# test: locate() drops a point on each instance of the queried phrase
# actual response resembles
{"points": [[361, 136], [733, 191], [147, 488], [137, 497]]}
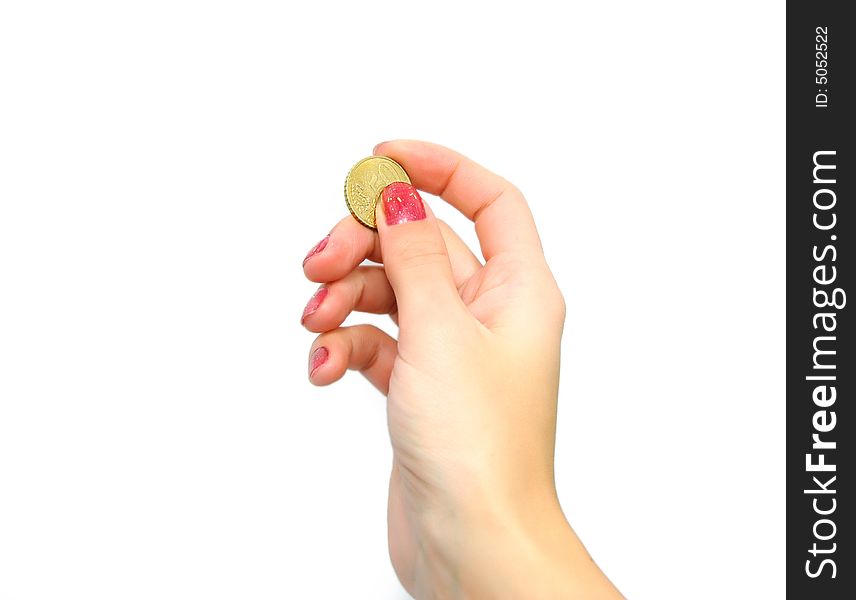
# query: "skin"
{"points": [[471, 385]]}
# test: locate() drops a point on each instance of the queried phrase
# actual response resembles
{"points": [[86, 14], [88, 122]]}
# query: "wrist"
{"points": [[496, 549]]}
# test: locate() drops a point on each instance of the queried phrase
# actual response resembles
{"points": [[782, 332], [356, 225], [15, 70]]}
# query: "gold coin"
{"points": [[365, 182]]}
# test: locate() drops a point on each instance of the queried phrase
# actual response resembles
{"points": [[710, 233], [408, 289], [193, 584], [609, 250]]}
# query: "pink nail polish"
{"points": [[402, 203], [314, 302], [318, 358], [317, 248]]}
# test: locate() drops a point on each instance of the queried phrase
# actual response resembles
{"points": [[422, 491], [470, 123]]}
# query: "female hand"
{"points": [[471, 382]]}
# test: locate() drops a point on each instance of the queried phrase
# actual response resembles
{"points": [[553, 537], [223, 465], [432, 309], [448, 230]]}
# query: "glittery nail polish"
{"points": [[318, 358], [402, 203], [314, 302], [317, 248]]}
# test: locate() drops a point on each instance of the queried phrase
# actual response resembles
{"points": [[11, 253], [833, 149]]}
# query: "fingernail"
{"points": [[318, 358], [317, 248], [374, 150], [402, 203], [314, 302]]}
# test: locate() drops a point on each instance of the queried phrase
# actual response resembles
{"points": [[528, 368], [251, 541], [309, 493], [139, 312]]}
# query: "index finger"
{"points": [[502, 218]]}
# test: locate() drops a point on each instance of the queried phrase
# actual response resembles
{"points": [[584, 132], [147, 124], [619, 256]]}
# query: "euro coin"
{"points": [[365, 182]]}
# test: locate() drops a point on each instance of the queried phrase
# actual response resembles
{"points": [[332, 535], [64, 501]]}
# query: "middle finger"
{"points": [[365, 289]]}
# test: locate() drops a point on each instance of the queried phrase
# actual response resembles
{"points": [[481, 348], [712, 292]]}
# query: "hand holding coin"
{"points": [[471, 383]]}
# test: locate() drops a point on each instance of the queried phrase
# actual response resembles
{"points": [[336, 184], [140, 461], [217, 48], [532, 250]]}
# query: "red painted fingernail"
{"points": [[314, 302], [402, 203], [317, 248], [318, 358]]}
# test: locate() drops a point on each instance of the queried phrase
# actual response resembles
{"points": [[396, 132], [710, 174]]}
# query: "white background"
{"points": [[165, 166]]}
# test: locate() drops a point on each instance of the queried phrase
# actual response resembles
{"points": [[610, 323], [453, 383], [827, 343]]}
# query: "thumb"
{"points": [[414, 255]]}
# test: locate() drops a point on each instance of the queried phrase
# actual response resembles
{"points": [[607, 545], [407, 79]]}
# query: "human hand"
{"points": [[471, 382]]}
